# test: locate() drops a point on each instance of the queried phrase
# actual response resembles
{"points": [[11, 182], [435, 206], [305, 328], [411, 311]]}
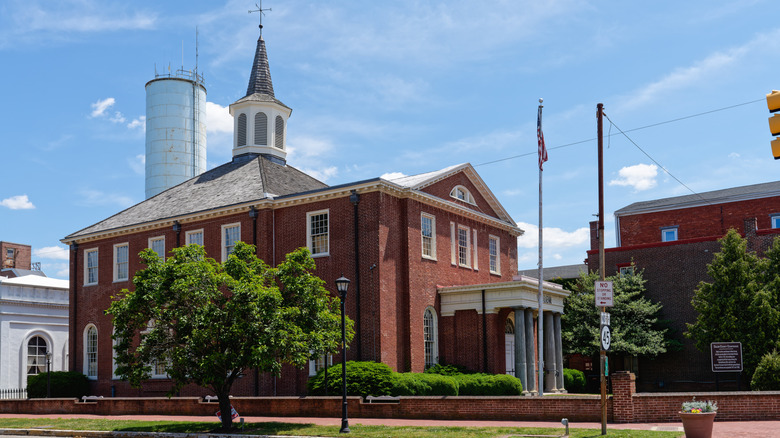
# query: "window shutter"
{"points": [[279, 136], [474, 245], [453, 245], [241, 129], [261, 129]]}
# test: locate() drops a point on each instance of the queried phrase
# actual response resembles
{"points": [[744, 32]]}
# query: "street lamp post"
{"points": [[48, 374], [342, 284]]}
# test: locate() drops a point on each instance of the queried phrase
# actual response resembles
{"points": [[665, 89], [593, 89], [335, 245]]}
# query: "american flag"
{"points": [[540, 135]]}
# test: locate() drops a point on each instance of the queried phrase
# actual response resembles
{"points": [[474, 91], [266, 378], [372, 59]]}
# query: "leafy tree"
{"points": [[741, 303], [208, 321], [636, 329]]}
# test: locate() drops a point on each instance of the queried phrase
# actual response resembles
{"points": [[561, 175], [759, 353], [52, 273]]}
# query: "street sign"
{"points": [[726, 357], [606, 337], [603, 292], [605, 318]]}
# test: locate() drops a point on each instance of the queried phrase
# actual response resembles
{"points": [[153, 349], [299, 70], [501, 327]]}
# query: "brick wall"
{"points": [[22, 257]]}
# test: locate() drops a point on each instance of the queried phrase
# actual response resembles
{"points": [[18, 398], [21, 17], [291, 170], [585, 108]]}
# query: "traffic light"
{"points": [[773, 102]]}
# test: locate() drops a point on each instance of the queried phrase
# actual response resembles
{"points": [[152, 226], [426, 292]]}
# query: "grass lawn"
{"points": [[357, 430]]}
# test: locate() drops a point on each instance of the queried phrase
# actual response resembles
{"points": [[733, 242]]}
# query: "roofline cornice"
{"points": [[309, 197], [699, 203]]}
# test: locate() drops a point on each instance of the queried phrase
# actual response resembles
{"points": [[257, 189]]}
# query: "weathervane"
{"points": [[262, 12]]}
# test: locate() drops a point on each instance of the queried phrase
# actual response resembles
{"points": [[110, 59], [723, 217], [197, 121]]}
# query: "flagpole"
{"points": [[540, 314]]}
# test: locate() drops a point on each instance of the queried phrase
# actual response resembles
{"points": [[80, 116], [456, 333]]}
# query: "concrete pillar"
{"points": [[520, 371], [530, 368], [549, 353], [558, 353]]}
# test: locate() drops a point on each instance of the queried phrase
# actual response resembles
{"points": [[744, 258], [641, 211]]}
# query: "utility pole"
{"points": [[602, 271]]}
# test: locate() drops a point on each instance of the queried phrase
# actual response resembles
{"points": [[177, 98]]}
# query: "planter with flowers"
{"points": [[697, 418]]}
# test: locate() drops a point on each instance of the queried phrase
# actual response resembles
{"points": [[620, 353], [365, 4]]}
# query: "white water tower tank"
{"points": [[175, 130]]}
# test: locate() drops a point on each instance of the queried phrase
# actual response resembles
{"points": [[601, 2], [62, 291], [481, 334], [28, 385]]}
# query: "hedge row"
{"points": [[371, 378]]}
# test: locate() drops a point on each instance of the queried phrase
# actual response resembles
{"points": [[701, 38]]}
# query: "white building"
{"points": [[33, 322]]}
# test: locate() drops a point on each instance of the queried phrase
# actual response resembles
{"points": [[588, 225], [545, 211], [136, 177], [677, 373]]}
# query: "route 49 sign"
{"points": [[606, 337]]}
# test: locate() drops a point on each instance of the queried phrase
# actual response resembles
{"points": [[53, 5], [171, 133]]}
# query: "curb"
{"points": [[128, 434]]}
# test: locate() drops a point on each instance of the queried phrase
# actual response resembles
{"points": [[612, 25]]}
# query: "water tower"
{"points": [[175, 130]]}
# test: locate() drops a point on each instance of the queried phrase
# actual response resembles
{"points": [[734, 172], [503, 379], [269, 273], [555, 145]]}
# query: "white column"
{"points": [[558, 352], [549, 353], [520, 359], [530, 368]]}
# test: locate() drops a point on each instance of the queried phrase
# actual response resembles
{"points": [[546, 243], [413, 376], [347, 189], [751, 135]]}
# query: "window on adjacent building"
{"points": [[428, 232], [320, 363], [241, 134], [317, 233], [158, 245], [775, 218], [261, 129], [626, 270], [121, 258], [91, 266], [668, 234], [194, 237], [494, 245], [230, 235], [461, 193], [90, 351], [464, 247], [36, 355], [279, 134], [430, 336]]}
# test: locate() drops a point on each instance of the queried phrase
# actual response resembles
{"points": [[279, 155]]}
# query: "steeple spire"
{"points": [[260, 77]]}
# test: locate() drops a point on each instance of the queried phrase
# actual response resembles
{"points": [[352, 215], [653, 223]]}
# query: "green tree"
{"points": [[741, 302], [634, 319], [209, 321]]}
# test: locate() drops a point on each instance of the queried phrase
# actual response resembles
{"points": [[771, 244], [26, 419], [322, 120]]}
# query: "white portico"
{"points": [[520, 295]]}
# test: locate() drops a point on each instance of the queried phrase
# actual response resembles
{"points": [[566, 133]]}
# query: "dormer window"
{"points": [[461, 193]]}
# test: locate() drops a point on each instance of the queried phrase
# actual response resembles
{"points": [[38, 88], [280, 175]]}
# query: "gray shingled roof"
{"points": [[247, 178], [754, 191]]}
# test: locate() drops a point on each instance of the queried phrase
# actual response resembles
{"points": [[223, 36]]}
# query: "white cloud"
{"points": [[392, 175], [734, 155], [322, 174], [218, 118], [118, 118], [19, 202], [138, 164], [554, 238], [640, 177], [52, 252], [100, 107], [92, 197], [139, 122]]}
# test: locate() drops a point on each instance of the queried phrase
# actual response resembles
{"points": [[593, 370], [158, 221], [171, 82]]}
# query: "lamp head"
{"points": [[342, 284]]}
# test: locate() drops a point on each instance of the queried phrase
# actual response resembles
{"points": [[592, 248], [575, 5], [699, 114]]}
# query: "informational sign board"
{"points": [[726, 357], [605, 318], [606, 337], [603, 291]]}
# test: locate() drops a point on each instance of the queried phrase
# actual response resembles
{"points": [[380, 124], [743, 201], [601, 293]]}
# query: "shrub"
{"points": [[363, 378], [767, 374], [64, 384], [574, 380], [489, 384], [448, 370], [423, 384]]}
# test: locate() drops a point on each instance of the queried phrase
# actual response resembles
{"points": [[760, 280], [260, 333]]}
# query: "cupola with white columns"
{"points": [[259, 119]]}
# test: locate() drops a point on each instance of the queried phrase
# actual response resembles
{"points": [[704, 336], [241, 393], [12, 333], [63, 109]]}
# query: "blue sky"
{"points": [[401, 86]]}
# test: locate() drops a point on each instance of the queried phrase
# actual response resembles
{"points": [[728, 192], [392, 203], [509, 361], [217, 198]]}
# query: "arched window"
{"points": [[36, 355], [261, 129], [430, 334], [279, 135], [90, 351], [241, 129], [462, 194], [509, 327]]}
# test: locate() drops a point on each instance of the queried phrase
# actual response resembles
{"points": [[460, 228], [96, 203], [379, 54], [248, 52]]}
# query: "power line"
{"points": [[623, 132]]}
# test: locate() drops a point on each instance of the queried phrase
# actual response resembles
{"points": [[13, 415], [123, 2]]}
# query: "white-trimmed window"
{"points": [[626, 270], [428, 233], [319, 363], [430, 336], [230, 235], [121, 261], [494, 247], [90, 352], [474, 247], [464, 247], [36, 355], [157, 244], [318, 232], [159, 370], [90, 266], [194, 237], [775, 220], [462, 194], [668, 234]]}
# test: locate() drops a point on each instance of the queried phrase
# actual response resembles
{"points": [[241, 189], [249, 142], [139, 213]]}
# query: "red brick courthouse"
{"points": [[432, 258]]}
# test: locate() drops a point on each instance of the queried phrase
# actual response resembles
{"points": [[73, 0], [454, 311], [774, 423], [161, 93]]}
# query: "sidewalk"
{"points": [[722, 429]]}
